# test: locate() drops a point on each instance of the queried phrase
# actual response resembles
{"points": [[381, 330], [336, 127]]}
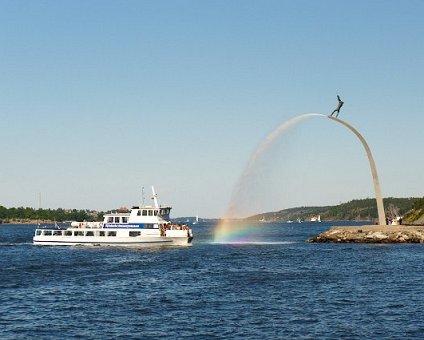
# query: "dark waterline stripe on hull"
{"points": [[73, 243]]}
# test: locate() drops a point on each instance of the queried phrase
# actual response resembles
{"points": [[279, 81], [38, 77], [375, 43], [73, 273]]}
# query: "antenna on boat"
{"points": [[39, 205], [142, 196], [155, 197]]}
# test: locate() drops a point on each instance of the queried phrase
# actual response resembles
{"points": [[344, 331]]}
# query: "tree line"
{"points": [[358, 209], [58, 215], [366, 209], [417, 212]]}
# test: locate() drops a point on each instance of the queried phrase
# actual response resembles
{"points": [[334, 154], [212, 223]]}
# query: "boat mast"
{"points": [[155, 197], [39, 207], [142, 197]]}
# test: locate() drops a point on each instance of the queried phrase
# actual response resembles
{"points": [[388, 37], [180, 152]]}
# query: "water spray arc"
{"points": [[260, 149], [224, 230]]}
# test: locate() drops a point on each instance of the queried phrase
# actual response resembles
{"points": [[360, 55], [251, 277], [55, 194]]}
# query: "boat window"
{"points": [[111, 233], [139, 213], [47, 232], [101, 233], [116, 219], [148, 226], [68, 233], [38, 232], [57, 233], [156, 212], [89, 233], [135, 233], [144, 212], [78, 233], [150, 212], [110, 220], [124, 219]]}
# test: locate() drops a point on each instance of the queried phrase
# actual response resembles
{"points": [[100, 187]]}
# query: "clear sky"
{"points": [[100, 98]]}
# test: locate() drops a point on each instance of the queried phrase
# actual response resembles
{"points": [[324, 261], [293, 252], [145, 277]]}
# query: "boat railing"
{"points": [[89, 226], [56, 227], [177, 227]]}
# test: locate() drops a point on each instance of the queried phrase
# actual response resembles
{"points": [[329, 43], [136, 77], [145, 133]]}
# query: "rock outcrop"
{"points": [[372, 234]]}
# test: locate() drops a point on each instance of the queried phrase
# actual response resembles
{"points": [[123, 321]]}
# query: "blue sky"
{"points": [[100, 98]]}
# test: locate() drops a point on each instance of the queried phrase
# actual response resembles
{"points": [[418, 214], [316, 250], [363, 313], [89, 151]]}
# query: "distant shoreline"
{"points": [[23, 222]]}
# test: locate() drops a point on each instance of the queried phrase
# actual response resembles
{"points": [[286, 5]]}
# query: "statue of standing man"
{"points": [[339, 106]]}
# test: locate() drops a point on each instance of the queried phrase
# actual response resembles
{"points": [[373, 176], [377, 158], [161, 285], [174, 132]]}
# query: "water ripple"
{"points": [[278, 287]]}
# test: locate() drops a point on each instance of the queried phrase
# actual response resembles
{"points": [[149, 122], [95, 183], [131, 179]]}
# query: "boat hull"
{"points": [[118, 241], [111, 237]]}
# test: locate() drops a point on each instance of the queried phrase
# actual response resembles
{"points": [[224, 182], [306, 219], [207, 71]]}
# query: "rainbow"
{"points": [[233, 231], [237, 231]]}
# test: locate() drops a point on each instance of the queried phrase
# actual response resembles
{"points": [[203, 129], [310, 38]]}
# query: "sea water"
{"points": [[275, 287]]}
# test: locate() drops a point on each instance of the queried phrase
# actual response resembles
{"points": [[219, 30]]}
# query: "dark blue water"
{"points": [[283, 288]]}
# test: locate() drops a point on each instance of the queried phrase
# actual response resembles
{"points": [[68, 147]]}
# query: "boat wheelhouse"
{"points": [[142, 226]]}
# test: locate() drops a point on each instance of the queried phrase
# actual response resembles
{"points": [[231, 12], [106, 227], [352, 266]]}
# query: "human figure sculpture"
{"points": [[339, 106]]}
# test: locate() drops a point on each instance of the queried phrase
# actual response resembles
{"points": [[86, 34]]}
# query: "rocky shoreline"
{"points": [[371, 234]]}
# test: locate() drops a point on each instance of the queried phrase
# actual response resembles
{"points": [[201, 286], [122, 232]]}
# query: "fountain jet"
{"points": [[231, 212]]}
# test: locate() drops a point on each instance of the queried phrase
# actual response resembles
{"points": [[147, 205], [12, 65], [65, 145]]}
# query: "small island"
{"points": [[372, 234], [409, 233]]}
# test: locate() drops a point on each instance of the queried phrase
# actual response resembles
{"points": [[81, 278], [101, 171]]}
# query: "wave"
{"points": [[14, 244]]}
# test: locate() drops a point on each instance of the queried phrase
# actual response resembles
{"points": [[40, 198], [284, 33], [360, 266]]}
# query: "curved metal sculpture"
{"points": [[379, 199]]}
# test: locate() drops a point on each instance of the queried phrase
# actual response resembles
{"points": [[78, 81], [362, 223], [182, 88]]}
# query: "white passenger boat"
{"points": [[142, 226]]}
